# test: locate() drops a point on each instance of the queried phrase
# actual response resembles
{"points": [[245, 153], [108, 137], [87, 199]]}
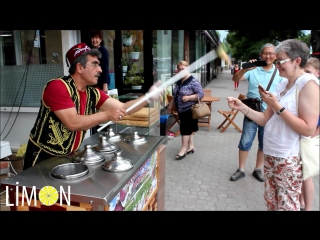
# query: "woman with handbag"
{"points": [[284, 124], [307, 189], [185, 93]]}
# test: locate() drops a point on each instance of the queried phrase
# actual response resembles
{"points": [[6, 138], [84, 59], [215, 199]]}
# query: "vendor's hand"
{"points": [[155, 91], [235, 103], [116, 114]]}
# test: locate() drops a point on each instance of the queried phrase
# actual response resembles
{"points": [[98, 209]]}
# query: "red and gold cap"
{"points": [[76, 51]]}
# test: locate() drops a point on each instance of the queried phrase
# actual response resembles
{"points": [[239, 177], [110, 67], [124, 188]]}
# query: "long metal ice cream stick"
{"points": [[192, 67]]}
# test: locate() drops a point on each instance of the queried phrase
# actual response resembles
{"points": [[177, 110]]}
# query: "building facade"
{"points": [[29, 58]]}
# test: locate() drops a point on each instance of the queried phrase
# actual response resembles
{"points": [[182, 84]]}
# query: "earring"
{"points": [[295, 66]]}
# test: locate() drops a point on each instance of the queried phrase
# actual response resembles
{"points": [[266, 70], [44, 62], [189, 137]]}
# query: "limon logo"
{"points": [[48, 195]]}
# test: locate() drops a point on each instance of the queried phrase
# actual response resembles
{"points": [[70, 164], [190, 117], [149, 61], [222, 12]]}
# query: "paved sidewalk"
{"points": [[200, 181]]}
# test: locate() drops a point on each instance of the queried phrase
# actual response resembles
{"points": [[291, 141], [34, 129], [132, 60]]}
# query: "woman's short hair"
{"points": [[97, 33], [294, 48], [184, 63]]}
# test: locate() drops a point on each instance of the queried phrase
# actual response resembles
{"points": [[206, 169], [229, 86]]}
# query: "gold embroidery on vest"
{"points": [[58, 137], [59, 140]]}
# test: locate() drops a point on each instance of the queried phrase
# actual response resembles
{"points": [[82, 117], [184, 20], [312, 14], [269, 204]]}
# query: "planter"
{"points": [[134, 55], [136, 87], [124, 68], [126, 41]]}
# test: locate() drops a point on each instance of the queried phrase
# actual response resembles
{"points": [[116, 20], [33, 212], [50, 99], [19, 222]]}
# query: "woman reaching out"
{"points": [[284, 125]]}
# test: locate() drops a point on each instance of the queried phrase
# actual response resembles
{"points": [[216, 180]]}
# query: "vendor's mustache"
{"points": [[97, 75]]}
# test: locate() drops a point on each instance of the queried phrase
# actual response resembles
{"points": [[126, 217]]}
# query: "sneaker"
{"points": [[258, 175], [237, 175]]}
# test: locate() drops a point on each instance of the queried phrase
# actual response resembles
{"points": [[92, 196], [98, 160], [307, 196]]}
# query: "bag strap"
{"points": [[297, 103], [297, 98], [271, 79], [198, 98]]}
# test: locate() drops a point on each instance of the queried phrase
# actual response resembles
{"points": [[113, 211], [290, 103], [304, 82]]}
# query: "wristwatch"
{"points": [[280, 111]]}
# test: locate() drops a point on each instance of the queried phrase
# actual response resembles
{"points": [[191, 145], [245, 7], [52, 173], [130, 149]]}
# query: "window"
{"points": [[28, 59]]}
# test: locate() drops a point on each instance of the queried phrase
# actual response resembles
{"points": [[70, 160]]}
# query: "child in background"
{"points": [[236, 69], [307, 188]]}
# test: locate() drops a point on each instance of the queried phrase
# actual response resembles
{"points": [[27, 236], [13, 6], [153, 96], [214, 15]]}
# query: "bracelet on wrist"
{"points": [[247, 112]]}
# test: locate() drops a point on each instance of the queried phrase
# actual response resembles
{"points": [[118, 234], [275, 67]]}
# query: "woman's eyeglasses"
{"points": [[277, 62]]}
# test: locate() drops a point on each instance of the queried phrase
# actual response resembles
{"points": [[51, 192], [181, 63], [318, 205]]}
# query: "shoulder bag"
{"points": [[200, 110], [256, 103], [309, 152]]}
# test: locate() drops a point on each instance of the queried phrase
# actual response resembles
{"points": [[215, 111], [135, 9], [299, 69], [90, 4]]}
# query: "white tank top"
{"points": [[279, 140]]}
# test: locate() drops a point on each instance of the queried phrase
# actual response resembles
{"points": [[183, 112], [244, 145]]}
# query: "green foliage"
{"points": [[134, 81], [134, 67], [124, 62], [224, 47], [136, 48], [306, 39], [134, 78], [246, 44]]}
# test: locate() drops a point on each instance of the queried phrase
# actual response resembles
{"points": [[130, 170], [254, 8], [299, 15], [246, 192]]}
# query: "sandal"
{"points": [[178, 157], [191, 151]]}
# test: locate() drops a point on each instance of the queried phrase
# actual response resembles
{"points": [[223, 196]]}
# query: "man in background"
{"points": [[254, 76]]}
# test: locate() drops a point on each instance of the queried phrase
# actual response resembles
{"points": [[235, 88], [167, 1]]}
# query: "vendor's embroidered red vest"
{"points": [[49, 133]]}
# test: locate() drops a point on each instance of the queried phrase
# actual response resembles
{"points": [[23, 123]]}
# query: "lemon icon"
{"points": [[48, 195]]}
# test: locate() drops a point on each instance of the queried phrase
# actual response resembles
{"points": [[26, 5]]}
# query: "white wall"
{"points": [[69, 38], [16, 125], [223, 62]]}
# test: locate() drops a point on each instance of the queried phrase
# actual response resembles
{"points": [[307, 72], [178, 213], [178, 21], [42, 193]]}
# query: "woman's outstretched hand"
{"points": [[235, 103]]}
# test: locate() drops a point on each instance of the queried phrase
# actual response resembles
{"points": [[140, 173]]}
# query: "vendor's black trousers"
{"points": [[34, 155]]}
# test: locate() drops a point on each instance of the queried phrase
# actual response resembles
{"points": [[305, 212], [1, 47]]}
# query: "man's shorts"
{"points": [[249, 131]]}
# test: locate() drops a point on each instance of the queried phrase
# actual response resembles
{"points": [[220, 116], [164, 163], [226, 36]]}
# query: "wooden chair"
{"points": [[176, 117], [205, 122], [229, 117]]}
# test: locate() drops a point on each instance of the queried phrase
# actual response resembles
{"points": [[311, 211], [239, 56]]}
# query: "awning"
{"points": [[214, 39]]}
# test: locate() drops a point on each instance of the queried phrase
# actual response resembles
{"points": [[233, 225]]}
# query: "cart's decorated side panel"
{"points": [[138, 190]]}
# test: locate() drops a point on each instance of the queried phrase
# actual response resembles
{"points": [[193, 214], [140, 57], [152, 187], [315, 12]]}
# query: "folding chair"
{"points": [[229, 117], [176, 117]]}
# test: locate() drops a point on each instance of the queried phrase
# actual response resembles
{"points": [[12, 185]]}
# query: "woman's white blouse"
{"points": [[279, 140]]}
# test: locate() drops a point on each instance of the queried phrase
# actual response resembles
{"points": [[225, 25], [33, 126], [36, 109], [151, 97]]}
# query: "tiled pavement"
{"points": [[200, 181]]}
